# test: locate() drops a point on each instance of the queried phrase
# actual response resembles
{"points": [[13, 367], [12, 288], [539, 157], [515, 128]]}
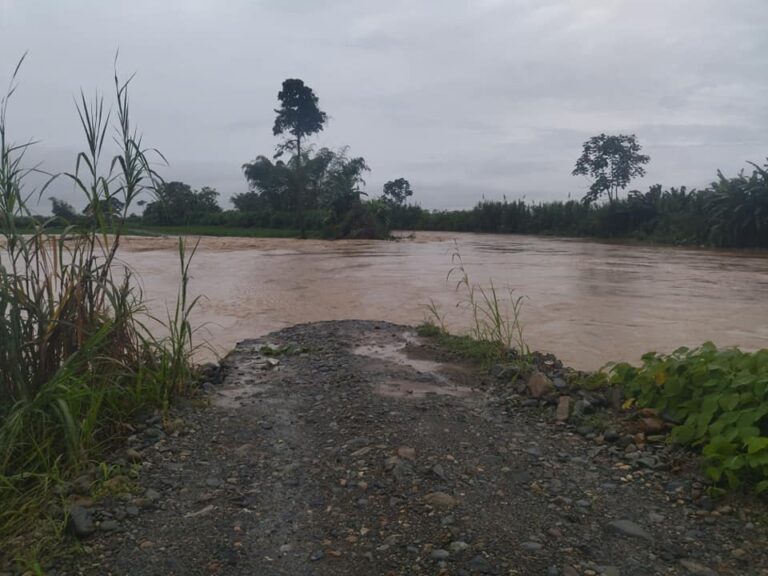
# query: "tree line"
{"points": [[300, 187], [732, 212]]}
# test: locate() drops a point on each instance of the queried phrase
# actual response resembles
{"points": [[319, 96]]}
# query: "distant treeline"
{"points": [[730, 213]]}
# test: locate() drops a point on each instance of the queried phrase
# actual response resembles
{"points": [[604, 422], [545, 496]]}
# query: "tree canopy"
{"points": [[397, 191], [612, 161], [298, 115], [176, 203], [62, 209]]}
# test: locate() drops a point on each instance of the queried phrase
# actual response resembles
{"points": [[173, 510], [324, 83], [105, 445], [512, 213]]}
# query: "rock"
{"points": [[109, 526], [202, 512], [611, 435], [697, 569], [608, 571], [628, 528], [539, 385], [81, 521], [458, 546], [531, 546], [316, 555], [403, 472], [563, 409], [133, 455], [559, 383], [439, 554], [152, 495], [652, 425], [441, 500], [407, 453]]}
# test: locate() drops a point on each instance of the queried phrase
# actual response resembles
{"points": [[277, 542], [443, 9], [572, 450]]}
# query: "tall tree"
{"points": [[612, 161], [397, 191], [299, 116], [62, 209]]}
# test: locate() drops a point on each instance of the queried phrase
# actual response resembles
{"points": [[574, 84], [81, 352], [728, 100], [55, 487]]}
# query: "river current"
{"points": [[587, 302]]}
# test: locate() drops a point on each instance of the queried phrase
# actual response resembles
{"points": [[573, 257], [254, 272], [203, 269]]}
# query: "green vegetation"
{"points": [[480, 352], [76, 356], [720, 399], [729, 213], [612, 161], [496, 328]]}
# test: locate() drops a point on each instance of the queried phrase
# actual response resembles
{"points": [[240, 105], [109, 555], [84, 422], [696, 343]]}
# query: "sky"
{"points": [[466, 99]]}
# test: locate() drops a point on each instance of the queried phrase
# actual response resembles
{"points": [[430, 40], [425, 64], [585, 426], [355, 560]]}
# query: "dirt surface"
{"points": [[344, 455]]}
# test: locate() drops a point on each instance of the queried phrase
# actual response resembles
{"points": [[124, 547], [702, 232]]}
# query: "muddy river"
{"points": [[587, 302]]}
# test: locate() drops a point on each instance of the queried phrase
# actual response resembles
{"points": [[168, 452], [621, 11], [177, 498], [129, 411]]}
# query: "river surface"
{"points": [[587, 302]]}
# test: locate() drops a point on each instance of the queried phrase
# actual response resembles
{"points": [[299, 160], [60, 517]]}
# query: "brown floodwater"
{"points": [[587, 302]]}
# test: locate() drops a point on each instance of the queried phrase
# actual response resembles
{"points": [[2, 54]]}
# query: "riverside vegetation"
{"points": [[713, 400], [78, 359]]}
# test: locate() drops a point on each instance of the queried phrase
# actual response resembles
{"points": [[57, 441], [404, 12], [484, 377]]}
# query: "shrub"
{"points": [[719, 397]]}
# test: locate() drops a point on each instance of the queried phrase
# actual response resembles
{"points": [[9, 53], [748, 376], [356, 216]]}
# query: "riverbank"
{"points": [[347, 448]]}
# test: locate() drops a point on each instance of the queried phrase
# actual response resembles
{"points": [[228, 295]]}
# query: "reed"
{"points": [[77, 357]]}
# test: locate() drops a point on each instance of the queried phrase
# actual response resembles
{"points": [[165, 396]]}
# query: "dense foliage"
{"points": [[719, 399], [176, 203], [731, 212]]}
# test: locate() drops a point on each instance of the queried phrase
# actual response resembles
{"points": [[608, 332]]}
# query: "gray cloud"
{"points": [[465, 99]]}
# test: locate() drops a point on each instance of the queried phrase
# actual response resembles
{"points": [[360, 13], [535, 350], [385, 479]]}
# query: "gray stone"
{"points": [[439, 554], [629, 529], [109, 526], [531, 546], [81, 521], [563, 409], [697, 569], [608, 571], [458, 546]]}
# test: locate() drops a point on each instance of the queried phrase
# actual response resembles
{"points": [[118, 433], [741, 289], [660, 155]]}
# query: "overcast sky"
{"points": [[464, 98]]}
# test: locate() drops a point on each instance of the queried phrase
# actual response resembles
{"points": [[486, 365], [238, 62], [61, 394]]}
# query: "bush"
{"points": [[719, 397]]}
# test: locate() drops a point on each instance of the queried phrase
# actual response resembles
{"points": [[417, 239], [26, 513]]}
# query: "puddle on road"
{"points": [[396, 353], [411, 389], [236, 397]]}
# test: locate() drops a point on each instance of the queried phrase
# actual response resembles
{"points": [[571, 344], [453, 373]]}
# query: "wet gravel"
{"points": [[322, 461]]}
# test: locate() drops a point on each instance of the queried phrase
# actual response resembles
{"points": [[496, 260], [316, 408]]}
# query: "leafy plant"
{"points": [[720, 399]]}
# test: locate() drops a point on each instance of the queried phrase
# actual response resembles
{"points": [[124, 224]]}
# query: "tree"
{"points": [[612, 161], [177, 203], [397, 191], [299, 116], [62, 209]]}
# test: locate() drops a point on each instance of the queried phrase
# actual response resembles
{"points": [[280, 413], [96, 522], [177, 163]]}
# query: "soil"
{"points": [[359, 449]]}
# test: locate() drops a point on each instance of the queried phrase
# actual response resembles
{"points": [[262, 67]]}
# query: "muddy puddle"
{"points": [[397, 353]]}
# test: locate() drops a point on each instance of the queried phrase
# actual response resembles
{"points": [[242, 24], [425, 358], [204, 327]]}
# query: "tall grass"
{"points": [[76, 355], [495, 318]]}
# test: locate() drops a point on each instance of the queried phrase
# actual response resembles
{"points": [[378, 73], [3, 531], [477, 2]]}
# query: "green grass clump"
{"points": [[482, 352], [77, 358], [720, 398]]}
